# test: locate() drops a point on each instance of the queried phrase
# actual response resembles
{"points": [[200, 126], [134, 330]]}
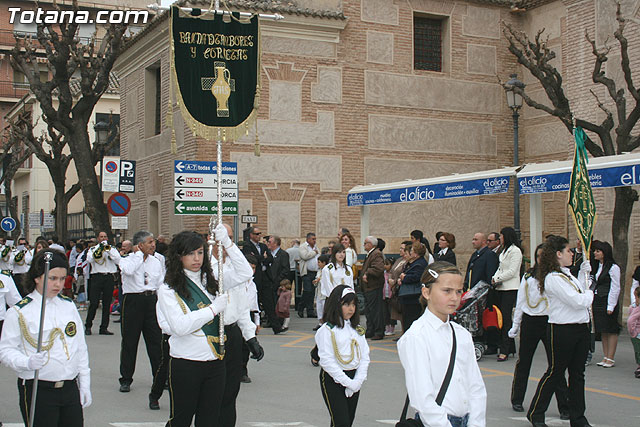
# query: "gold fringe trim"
{"points": [[46, 346], [216, 132]]}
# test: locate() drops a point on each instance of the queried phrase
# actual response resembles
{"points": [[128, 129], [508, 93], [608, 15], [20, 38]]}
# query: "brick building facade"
{"points": [[345, 102]]}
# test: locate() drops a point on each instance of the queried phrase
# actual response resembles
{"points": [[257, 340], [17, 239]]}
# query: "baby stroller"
{"points": [[469, 314]]}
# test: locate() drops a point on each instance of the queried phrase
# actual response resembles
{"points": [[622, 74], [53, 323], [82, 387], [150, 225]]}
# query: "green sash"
{"points": [[197, 301]]}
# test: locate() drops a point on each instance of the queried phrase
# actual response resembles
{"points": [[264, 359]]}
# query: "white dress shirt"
{"points": [[332, 365], [236, 274], [9, 295], [139, 274], [163, 263], [333, 276], [529, 300], [61, 314], [22, 266], [107, 264], [425, 351], [187, 341], [294, 257], [614, 290], [569, 299]]}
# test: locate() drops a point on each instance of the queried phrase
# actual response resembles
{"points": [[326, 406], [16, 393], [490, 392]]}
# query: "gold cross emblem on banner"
{"points": [[221, 86]]}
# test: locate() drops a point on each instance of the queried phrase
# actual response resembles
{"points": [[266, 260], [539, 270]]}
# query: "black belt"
{"points": [[144, 293], [50, 384], [102, 274], [234, 324]]}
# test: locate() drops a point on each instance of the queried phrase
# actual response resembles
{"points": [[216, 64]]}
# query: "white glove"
{"points": [[85, 397], [348, 392], [37, 361], [222, 236], [513, 332], [586, 266], [219, 304]]}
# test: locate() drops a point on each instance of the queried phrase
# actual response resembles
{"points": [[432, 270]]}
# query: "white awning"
{"points": [[481, 183]]}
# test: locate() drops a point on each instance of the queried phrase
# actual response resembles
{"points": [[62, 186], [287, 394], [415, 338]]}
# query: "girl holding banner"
{"points": [[63, 386], [189, 306]]}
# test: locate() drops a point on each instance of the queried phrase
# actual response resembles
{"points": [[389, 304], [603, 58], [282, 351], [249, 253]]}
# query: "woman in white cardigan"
{"points": [[507, 281]]}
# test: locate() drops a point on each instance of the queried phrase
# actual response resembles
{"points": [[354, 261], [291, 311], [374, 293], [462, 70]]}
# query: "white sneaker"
{"points": [[388, 332]]}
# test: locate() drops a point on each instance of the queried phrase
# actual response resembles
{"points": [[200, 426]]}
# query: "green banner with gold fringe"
{"points": [[581, 202], [215, 67]]}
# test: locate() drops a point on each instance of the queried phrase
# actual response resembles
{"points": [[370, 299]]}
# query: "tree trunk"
{"points": [[12, 210], [62, 209], [91, 191], [625, 198]]}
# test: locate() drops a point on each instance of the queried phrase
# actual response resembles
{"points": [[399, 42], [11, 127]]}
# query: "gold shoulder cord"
{"points": [[355, 349], [526, 291], [56, 332], [568, 280]]}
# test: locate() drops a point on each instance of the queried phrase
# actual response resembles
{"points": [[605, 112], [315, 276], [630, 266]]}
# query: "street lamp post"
{"points": [[514, 101], [102, 132]]}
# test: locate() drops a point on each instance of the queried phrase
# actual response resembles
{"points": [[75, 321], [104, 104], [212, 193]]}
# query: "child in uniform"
{"points": [[425, 350], [633, 325], [322, 262], [344, 356]]}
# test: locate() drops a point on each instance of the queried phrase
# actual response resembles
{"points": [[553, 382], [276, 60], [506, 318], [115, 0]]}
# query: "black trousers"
{"points": [[533, 329], [234, 366], [138, 314], [161, 375], [196, 390], [308, 292], [269, 306], [100, 288], [55, 407], [569, 347], [373, 307], [506, 301], [411, 311], [342, 410]]}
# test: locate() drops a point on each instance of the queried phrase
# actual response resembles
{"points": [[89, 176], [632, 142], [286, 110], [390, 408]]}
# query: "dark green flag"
{"points": [[583, 207], [216, 70]]}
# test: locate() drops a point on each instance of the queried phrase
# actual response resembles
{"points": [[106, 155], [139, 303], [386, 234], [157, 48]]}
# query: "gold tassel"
{"points": [[256, 147]]}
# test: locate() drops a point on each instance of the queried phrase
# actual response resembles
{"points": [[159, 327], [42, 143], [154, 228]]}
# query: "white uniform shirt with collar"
{"points": [[140, 275], [109, 262], [529, 300], [425, 351], [236, 274], [333, 276], [23, 266], [614, 289], [9, 295], [60, 313], [569, 299], [328, 360], [187, 341]]}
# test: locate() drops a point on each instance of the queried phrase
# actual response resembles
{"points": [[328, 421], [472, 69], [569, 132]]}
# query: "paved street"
{"points": [[285, 389]]}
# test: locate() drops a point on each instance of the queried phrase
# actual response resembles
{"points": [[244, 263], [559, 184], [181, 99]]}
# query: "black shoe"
{"points": [[105, 332], [317, 327], [245, 379], [301, 314], [377, 337], [565, 416], [153, 403], [87, 331], [125, 388], [118, 320], [517, 407], [311, 315], [280, 331]]}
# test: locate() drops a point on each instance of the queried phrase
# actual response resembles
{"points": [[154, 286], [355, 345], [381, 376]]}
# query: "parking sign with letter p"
{"points": [[127, 176]]}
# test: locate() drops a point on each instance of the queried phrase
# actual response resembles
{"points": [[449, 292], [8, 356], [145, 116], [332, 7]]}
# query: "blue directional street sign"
{"points": [[8, 224]]}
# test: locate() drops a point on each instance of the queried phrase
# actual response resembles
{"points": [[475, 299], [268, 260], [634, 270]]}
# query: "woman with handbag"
{"points": [[457, 397]]}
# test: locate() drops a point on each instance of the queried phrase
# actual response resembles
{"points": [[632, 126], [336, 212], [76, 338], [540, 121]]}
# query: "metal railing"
{"points": [[10, 89], [79, 226]]}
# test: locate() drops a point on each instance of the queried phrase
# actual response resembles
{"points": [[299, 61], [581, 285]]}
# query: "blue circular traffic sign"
{"points": [[119, 204], [111, 166], [8, 224]]}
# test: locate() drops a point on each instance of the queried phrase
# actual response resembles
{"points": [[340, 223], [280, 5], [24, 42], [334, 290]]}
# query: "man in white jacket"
{"points": [[309, 254]]}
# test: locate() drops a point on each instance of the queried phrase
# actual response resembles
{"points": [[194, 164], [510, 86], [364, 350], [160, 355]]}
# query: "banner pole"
{"points": [[220, 254], [47, 263]]}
